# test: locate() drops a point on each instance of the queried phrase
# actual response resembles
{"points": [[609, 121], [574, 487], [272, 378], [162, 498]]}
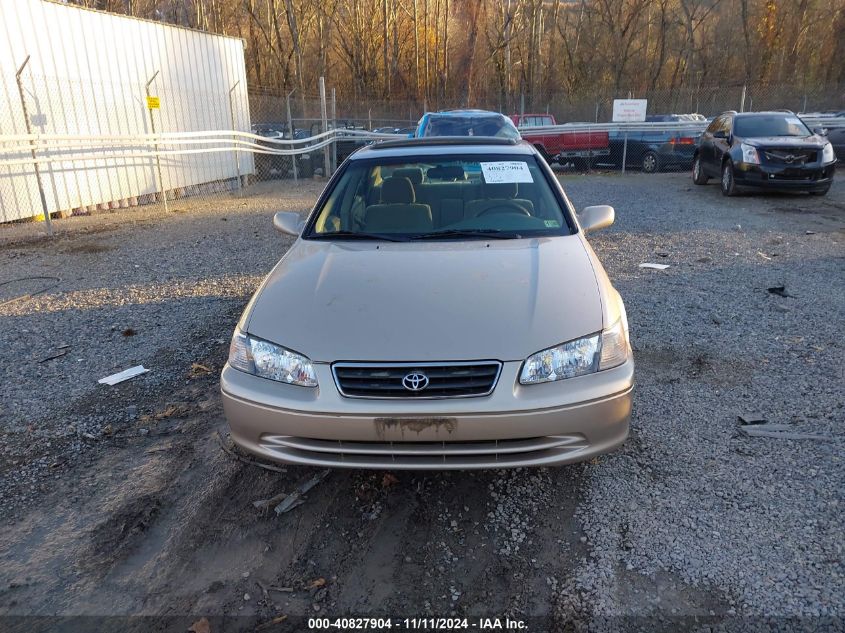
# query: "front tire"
{"points": [[728, 182], [820, 192], [698, 175], [650, 163]]}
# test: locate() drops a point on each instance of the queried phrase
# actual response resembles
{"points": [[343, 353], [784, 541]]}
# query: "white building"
{"points": [[86, 76]]}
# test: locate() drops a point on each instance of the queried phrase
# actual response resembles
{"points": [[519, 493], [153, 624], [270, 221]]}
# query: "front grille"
{"points": [[444, 380], [789, 157], [794, 175], [423, 455]]}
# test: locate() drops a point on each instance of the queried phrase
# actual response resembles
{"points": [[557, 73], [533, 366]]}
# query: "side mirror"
{"points": [[821, 131], [596, 217], [287, 222]]}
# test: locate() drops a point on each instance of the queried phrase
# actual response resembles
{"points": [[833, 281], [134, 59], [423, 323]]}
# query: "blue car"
{"points": [[466, 123], [657, 150]]}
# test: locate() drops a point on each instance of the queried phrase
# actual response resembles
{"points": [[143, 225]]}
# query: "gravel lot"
{"points": [[119, 500]]}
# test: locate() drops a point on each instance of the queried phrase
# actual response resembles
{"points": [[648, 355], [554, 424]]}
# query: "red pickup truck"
{"points": [[577, 147]]}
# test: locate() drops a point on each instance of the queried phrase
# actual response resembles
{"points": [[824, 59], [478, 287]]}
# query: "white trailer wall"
{"points": [[86, 75]]}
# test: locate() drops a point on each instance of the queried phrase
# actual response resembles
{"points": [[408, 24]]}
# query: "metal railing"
{"points": [[51, 153]]}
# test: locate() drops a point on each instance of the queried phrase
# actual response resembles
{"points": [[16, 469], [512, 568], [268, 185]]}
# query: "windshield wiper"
{"points": [[481, 233], [357, 235]]}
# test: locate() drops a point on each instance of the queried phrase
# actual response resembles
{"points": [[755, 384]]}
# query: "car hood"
{"points": [[814, 142], [385, 301]]}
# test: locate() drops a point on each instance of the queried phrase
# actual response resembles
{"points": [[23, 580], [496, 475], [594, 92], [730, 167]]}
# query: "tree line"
{"points": [[464, 52]]}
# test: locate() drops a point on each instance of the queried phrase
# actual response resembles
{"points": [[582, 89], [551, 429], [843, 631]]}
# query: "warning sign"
{"points": [[629, 110], [153, 103]]}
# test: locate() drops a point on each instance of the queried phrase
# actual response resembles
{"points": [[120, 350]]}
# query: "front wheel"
{"points": [[650, 163], [728, 182], [698, 175]]}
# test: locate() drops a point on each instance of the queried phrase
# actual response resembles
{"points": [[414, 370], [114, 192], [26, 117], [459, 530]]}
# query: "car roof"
{"points": [[762, 113], [440, 145], [464, 112]]}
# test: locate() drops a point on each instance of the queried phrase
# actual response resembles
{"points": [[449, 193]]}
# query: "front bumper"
{"points": [[538, 425], [814, 177]]}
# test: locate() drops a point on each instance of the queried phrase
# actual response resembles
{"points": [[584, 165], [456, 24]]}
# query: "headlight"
{"points": [[266, 360], [749, 154], [827, 154], [579, 357]]}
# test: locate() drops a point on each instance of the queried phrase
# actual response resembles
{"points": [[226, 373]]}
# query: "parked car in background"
{"points": [[466, 123], [774, 150], [441, 308], [656, 150], [346, 143], [270, 166], [836, 136], [576, 146]]}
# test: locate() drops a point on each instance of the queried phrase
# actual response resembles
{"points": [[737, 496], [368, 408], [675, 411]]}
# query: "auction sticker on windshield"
{"points": [[506, 171]]}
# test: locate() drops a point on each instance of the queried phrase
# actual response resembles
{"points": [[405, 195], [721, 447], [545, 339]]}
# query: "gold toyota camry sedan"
{"points": [[441, 308]]}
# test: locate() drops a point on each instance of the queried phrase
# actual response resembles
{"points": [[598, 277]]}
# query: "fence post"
{"points": [[625, 151], [334, 125], [234, 136], [742, 99], [292, 132], [325, 118], [48, 223], [155, 146]]}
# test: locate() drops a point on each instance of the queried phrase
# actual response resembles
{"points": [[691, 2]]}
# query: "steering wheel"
{"points": [[505, 207]]}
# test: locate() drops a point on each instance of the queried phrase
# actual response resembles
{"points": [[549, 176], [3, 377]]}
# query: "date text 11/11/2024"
{"points": [[416, 624]]}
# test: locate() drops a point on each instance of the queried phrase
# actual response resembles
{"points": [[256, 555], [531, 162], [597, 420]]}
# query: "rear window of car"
{"points": [[470, 125], [770, 125], [535, 121], [420, 198]]}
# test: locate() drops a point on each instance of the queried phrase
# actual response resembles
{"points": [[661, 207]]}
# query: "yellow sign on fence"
{"points": [[153, 103]]}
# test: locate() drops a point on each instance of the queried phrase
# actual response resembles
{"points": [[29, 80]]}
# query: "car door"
{"points": [[721, 143], [705, 148]]}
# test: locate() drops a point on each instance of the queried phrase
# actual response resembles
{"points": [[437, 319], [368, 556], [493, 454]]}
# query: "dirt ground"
{"points": [[138, 512]]}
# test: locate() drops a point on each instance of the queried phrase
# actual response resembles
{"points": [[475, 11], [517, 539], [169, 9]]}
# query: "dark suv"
{"points": [[775, 150]]}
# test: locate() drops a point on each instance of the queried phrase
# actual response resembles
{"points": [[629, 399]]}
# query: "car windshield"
{"points": [[448, 197], [470, 125], [770, 125]]}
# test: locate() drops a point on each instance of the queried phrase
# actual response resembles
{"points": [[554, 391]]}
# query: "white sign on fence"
{"points": [[629, 110]]}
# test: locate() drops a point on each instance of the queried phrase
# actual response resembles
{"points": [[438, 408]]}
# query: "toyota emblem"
{"points": [[415, 381]]}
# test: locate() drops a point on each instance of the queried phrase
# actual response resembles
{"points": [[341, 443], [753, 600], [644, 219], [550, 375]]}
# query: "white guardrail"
{"points": [[29, 149], [68, 148]]}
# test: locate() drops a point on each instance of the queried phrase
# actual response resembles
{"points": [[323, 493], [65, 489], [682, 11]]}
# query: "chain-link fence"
{"points": [[138, 112]]}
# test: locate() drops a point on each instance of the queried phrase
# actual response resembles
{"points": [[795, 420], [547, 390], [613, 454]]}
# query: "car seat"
{"points": [[398, 211]]}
